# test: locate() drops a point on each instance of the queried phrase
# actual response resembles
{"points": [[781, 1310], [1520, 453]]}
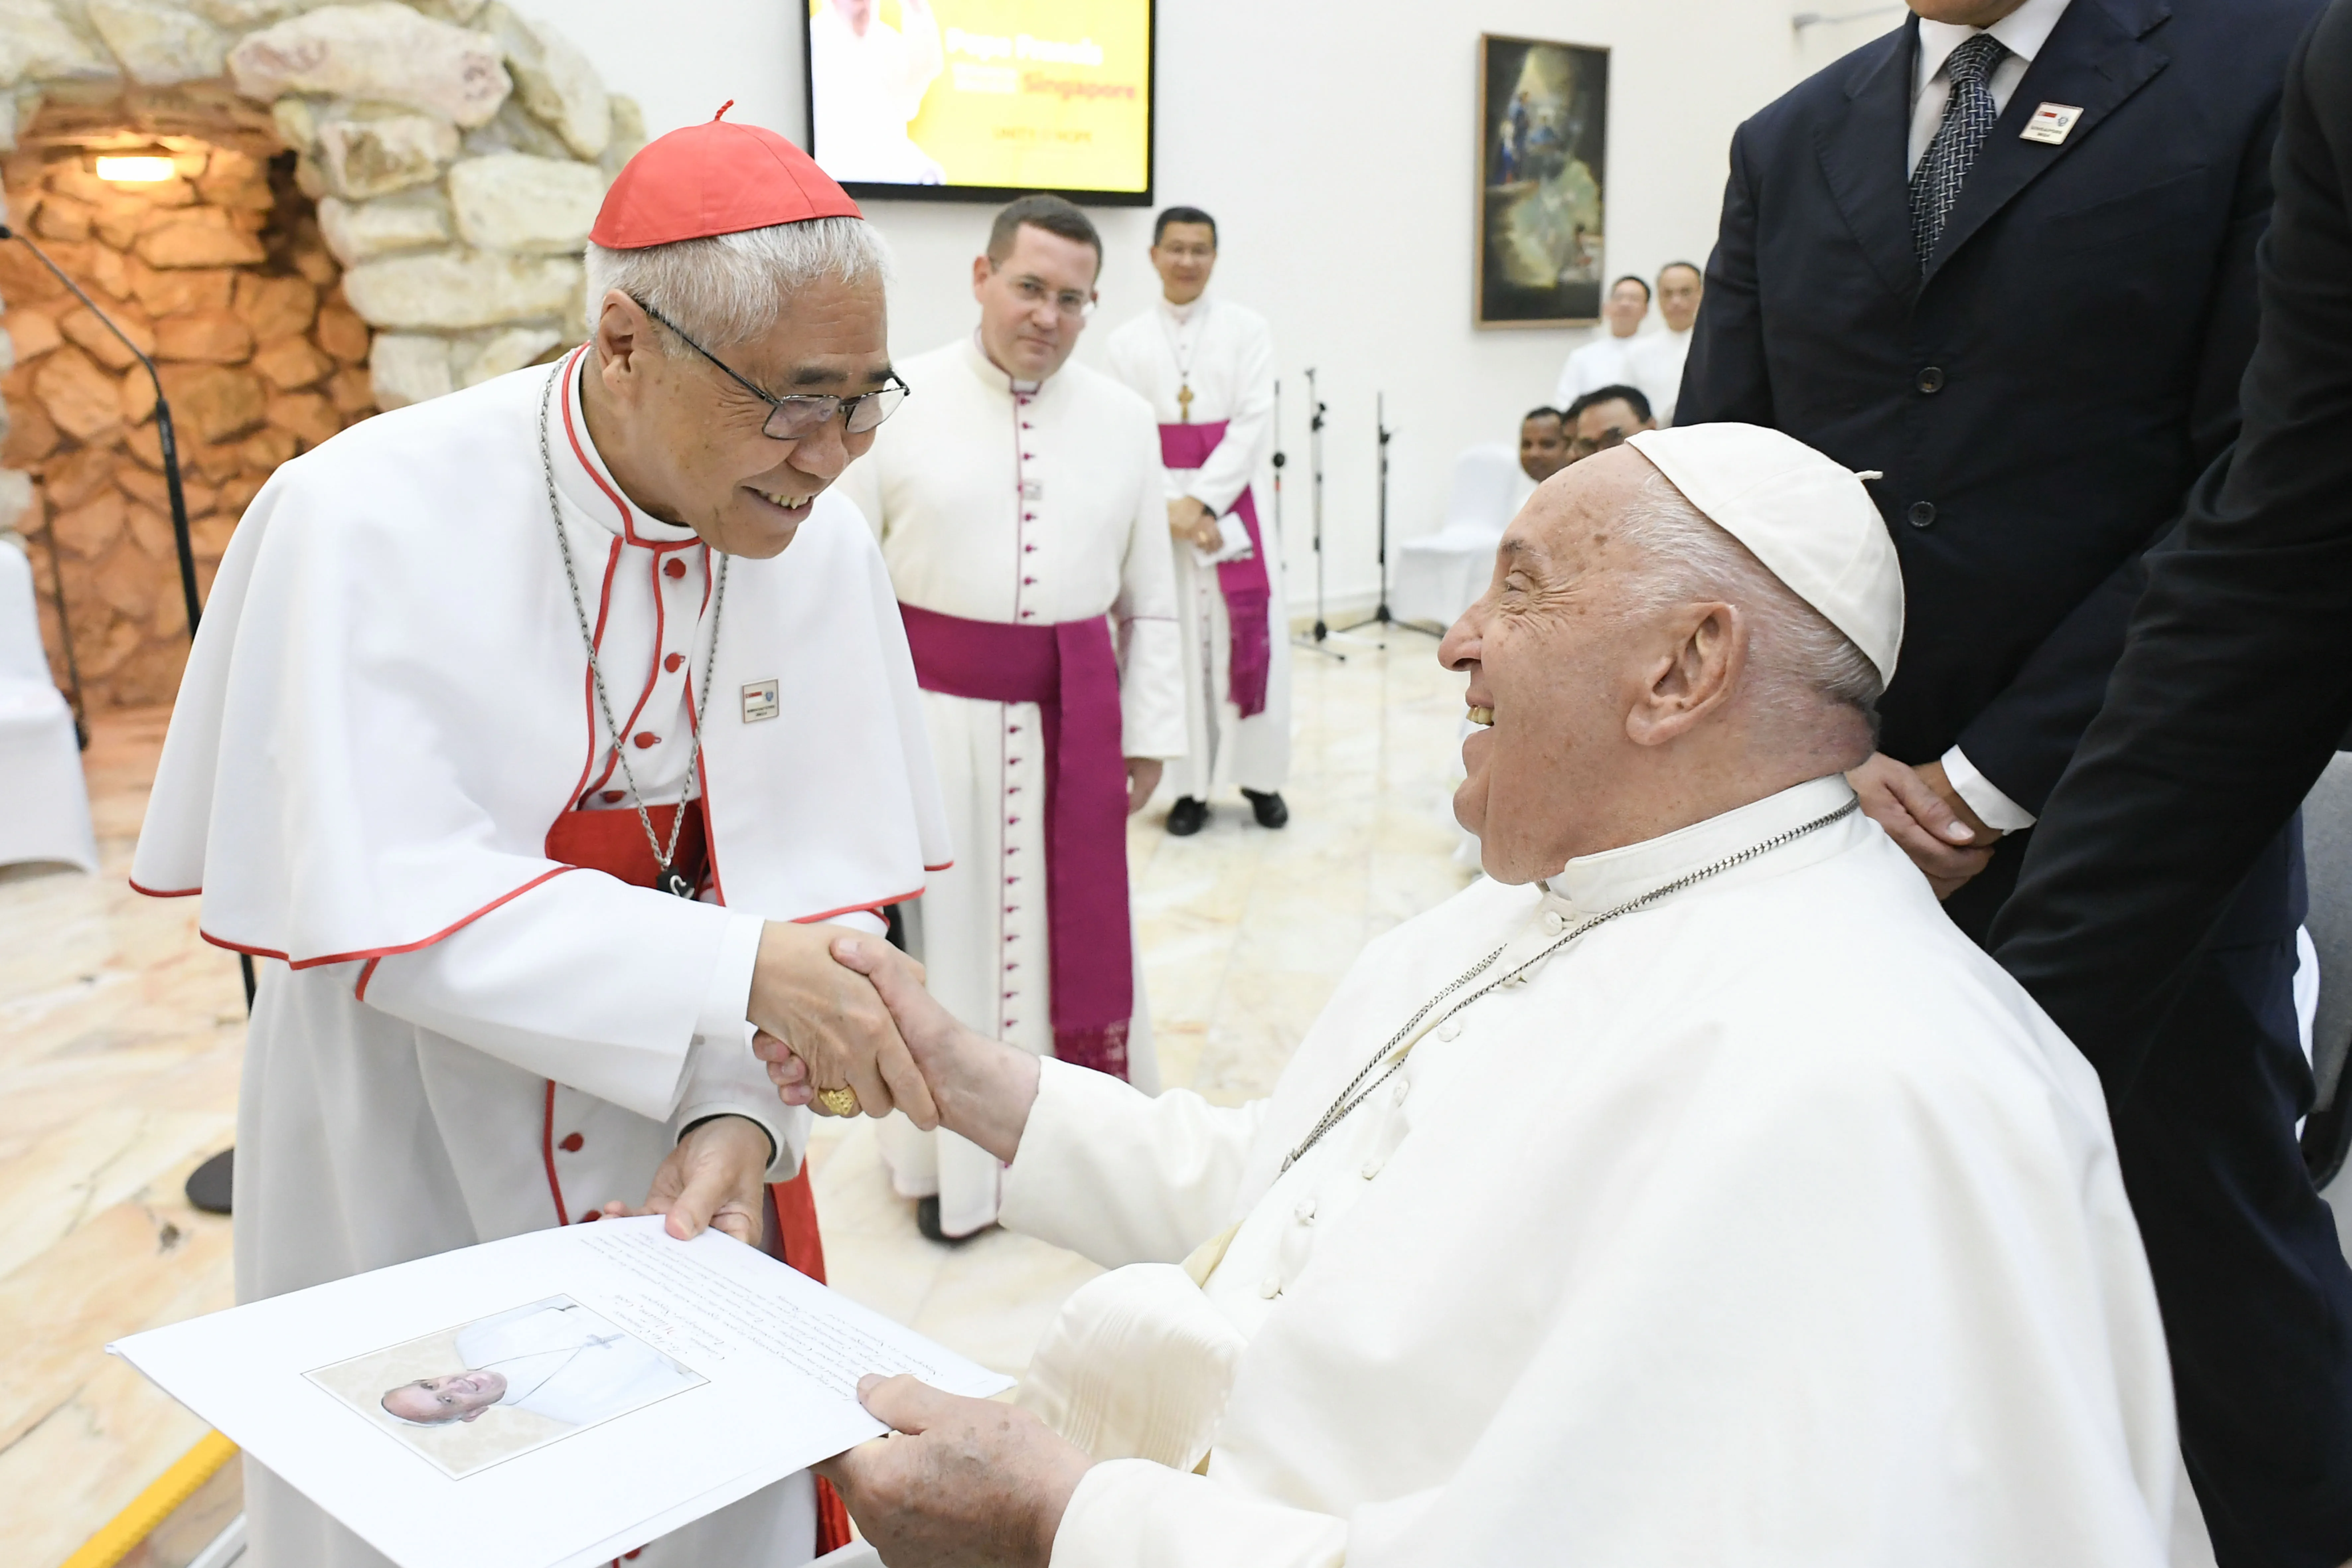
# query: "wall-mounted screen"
{"points": [[982, 100]]}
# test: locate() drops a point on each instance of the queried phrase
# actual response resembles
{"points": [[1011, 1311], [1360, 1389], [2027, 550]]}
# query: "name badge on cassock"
{"points": [[760, 701]]}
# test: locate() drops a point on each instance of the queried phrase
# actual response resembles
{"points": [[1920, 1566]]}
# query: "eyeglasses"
{"points": [[1067, 302], [794, 417]]}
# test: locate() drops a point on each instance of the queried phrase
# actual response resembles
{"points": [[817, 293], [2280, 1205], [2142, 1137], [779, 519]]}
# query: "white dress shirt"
{"points": [[2022, 32]]}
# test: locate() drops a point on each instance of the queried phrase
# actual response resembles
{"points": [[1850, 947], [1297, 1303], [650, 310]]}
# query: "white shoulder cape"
{"points": [[387, 705]]}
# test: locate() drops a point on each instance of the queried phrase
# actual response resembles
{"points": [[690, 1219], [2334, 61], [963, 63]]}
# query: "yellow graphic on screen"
{"points": [[1037, 94]]}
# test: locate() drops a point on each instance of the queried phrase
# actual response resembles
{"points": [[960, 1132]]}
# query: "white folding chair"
{"points": [[44, 803], [1441, 574]]}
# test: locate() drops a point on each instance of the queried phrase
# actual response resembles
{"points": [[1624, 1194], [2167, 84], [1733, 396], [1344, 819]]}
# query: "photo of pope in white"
{"points": [[502, 1385]]}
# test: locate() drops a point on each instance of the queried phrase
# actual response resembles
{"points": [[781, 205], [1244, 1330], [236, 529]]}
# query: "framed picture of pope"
{"points": [[1543, 127], [467, 1397]]}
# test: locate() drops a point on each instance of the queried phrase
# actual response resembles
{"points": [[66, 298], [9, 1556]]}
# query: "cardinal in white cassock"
{"points": [[1687, 1193], [1021, 508], [531, 735], [1206, 366]]}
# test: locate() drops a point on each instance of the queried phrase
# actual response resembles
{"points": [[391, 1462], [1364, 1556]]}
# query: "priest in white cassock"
{"points": [[533, 737], [1607, 359], [1687, 1193], [1206, 366], [554, 1358], [1655, 364], [1022, 510]]}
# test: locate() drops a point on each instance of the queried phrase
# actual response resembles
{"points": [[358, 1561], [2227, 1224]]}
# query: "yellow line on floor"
{"points": [[153, 1507]]}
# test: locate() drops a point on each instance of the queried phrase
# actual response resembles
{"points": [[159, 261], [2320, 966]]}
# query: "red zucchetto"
{"points": [[714, 179]]}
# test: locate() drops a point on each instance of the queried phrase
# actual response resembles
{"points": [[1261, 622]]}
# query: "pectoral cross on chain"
{"points": [[1184, 404]]}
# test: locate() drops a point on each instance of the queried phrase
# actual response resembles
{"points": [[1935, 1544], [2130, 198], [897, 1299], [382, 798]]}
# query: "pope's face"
{"points": [[1678, 292], [695, 451], [1033, 303], [455, 1397], [1554, 665], [1184, 257]]}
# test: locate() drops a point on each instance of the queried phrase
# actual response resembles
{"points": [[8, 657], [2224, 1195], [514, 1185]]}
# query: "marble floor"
{"points": [[119, 1033]]}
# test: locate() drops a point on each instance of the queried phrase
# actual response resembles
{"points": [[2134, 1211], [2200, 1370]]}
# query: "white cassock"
{"points": [[1657, 364], [1771, 1224], [1223, 355], [565, 1362], [865, 90], [1604, 361], [385, 719], [1032, 506]]}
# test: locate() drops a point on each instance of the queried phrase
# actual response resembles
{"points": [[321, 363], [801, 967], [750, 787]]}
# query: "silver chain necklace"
{"points": [[1359, 1088], [668, 877]]}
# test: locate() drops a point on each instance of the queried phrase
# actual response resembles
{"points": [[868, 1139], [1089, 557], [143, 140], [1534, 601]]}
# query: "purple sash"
{"points": [[1244, 583], [1071, 673]]}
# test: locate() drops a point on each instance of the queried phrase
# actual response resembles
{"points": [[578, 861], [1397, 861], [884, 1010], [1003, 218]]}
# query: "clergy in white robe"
{"points": [[449, 657], [1607, 359], [867, 81], [1685, 1193], [1206, 366], [1656, 363], [1021, 507]]}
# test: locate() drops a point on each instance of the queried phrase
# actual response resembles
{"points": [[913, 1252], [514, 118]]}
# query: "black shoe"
{"points": [[1186, 817], [927, 1220], [208, 1185], [1271, 812]]}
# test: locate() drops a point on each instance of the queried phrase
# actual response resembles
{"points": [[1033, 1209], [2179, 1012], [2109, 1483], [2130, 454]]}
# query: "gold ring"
{"points": [[840, 1101]]}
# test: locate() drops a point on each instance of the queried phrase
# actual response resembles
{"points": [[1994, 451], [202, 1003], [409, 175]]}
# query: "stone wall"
{"points": [[221, 280], [373, 204]]}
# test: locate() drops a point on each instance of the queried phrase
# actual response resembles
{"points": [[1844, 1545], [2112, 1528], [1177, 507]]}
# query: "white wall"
{"points": [[1337, 146]]}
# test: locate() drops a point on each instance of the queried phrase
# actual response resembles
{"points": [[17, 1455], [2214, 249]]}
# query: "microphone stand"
{"points": [[1312, 644], [217, 1167], [1315, 468], [1380, 617]]}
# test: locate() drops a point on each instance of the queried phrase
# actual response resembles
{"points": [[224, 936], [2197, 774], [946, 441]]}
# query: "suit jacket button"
{"points": [[1922, 514], [1931, 379]]}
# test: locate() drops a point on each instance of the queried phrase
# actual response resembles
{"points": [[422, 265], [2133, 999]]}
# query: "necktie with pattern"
{"points": [[1969, 115]]}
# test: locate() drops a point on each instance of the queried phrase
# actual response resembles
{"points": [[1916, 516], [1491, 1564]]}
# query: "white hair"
{"points": [[1798, 662], [733, 286]]}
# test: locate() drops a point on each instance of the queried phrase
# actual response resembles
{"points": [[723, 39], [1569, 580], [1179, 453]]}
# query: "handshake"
{"points": [[845, 1027]]}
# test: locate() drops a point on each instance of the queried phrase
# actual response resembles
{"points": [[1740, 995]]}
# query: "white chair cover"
{"points": [[1441, 574], [44, 805]]}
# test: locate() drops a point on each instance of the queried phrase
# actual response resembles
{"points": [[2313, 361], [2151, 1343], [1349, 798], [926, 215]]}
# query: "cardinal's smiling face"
{"points": [[689, 443]]}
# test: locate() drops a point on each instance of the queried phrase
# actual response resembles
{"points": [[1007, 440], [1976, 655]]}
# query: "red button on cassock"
{"points": [[572, 1144], [675, 568], [646, 738], [673, 662], [613, 796]]}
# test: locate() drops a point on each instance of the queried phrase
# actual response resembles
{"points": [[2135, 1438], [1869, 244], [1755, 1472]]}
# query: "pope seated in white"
{"points": [[1688, 1191], [554, 1358]]}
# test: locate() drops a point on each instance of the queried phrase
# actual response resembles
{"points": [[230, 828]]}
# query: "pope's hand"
{"points": [[831, 1019], [962, 1483], [711, 1179], [1948, 846]]}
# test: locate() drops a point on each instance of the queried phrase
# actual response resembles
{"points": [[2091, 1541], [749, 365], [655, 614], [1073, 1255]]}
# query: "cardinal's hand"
{"points": [[831, 1020], [711, 1179]]}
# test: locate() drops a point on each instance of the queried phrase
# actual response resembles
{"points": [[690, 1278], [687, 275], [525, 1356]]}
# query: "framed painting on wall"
{"points": [[1543, 128]]}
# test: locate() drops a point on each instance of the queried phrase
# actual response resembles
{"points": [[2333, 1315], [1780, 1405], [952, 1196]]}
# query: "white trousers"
{"points": [[1223, 747]]}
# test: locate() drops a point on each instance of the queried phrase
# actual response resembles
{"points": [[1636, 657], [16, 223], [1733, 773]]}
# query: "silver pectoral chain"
{"points": [[1390, 1059], [668, 880]]}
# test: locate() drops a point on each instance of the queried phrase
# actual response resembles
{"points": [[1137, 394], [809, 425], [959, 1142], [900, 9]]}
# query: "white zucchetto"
{"points": [[1807, 518]]}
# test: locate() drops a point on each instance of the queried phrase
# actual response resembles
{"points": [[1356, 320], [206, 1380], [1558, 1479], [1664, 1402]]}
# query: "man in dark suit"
{"points": [[2234, 691], [2005, 254]]}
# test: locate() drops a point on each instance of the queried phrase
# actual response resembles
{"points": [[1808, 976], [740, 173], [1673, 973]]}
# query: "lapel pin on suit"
{"points": [[2051, 122]]}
